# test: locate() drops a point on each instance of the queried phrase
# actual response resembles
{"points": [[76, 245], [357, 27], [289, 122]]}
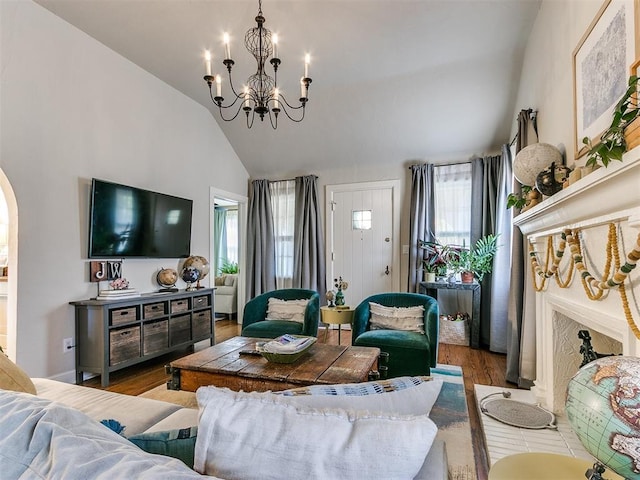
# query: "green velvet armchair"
{"points": [[410, 353], [254, 323]]}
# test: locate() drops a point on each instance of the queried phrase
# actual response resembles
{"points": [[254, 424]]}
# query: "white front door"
{"points": [[363, 228]]}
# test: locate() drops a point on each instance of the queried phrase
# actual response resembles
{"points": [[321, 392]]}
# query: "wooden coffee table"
{"points": [[222, 365]]}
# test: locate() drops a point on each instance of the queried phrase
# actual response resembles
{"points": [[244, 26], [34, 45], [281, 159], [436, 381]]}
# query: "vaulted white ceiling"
{"points": [[393, 80]]}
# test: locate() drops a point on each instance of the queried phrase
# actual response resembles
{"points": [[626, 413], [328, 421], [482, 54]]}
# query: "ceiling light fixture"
{"points": [[260, 95]]}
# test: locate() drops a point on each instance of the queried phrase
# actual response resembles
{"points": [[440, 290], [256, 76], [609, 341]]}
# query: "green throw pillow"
{"points": [[178, 444]]}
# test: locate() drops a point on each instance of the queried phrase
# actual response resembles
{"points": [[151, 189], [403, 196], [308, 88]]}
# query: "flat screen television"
{"points": [[132, 222]]}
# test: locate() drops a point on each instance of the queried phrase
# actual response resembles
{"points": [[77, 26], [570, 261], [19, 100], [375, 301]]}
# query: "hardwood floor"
{"points": [[479, 366]]}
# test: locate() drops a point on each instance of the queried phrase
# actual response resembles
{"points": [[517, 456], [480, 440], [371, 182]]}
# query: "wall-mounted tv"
{"points": [[132, 222]]}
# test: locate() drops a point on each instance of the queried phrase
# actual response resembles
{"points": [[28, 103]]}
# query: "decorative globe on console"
{"points": [[603, 407], [199, 264], [167, 278], [190, 275]]}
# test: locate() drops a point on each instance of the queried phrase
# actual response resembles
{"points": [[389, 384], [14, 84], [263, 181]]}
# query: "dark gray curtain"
{"points": [[491, 184], [421, 219], [308, 242], [516, 296], [261, 250]]}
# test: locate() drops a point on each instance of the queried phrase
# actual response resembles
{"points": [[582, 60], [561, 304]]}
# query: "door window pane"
{"points": [[361, 219]]}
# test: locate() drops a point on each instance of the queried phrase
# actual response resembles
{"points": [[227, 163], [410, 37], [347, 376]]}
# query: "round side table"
{"points": [[336, 316], [535, 466]]}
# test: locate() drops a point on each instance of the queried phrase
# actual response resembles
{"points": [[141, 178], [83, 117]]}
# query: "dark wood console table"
{"points": [[431, 289], [116, 334]]}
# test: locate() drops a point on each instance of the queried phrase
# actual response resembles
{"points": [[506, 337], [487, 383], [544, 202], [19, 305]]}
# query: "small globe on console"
{"points": [[199, 264], [167, 278]]}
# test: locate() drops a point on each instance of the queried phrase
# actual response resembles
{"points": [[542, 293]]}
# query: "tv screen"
{"points": [[132, 222]]}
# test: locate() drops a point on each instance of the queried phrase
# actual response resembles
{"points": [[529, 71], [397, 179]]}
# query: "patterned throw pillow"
{"points": [[359, 389], [179, 443], [401, 395], [291, 310], [410, 319]]}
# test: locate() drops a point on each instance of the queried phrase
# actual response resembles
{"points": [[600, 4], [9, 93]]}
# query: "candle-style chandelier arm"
{"points": [[218, 101], [287, 104]]}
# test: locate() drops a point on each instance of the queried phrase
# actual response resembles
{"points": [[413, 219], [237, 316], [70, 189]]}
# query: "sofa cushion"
{"points": [[410, 319], [44, 439], [292, 310], [136, 414], [256, 436], [272, 329], [185, 417], [12, 377]]}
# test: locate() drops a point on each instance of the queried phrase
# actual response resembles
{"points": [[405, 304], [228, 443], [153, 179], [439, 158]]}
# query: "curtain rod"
{"points": [[443, 164], [285, 179]]}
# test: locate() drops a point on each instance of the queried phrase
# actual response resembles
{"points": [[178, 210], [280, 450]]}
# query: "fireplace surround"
{"points": [[590, 205]]}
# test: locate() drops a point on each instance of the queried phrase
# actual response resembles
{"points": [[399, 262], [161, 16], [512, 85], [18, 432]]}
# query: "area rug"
{"points": [[449, 413]]}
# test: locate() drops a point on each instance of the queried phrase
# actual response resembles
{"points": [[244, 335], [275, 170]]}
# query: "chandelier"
{"points": [[260, 96]]}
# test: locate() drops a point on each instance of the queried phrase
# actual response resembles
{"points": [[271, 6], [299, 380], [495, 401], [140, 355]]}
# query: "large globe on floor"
{"points": [[198, 263], [603, 407], [167, 277]]}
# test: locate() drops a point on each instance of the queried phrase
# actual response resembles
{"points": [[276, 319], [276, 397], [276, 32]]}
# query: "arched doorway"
{"points": [[8, 266]]}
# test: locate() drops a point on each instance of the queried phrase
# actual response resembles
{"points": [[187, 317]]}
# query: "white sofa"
{"points": [[138, 415], [226, 300]]}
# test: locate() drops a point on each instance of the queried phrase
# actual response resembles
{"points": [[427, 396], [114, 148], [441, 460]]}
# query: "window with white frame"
{"points": [[452, 189], [283, 210]]}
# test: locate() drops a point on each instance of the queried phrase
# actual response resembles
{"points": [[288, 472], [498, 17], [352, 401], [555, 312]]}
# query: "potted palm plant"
{"points": [[474, 262]]}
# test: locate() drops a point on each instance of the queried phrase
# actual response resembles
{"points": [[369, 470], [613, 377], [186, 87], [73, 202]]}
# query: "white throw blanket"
{"points": [[42, 439]]}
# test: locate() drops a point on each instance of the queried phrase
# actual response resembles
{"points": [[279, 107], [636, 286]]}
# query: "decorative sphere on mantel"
{"points": [[602, 406], [533, 159]]}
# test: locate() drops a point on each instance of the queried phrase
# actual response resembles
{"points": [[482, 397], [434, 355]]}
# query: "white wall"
{"points": [[546, 82], [71, 109]]}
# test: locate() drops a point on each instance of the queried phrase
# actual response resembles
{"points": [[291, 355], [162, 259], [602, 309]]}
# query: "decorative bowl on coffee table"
{"points": [[281, 357]]}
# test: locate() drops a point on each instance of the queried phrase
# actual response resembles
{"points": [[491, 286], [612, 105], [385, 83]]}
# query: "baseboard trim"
{"points": [[70, 376]]}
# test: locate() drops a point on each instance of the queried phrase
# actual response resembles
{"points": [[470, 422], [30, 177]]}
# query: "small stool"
{"points": [[336, 316], [547, 466]]}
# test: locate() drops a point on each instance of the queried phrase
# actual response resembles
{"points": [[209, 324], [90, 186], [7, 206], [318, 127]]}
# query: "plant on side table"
{"points": [[434, 260], [474, 262]]}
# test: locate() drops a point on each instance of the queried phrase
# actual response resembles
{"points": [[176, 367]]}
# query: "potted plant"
{"points": [[434, 262], [476, 261], [228, 268]]}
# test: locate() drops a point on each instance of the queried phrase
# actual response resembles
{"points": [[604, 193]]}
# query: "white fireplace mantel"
{"points": [[607, 195]]}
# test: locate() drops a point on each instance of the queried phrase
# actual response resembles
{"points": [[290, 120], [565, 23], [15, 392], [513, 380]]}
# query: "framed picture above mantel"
{"points": [[601, 64]]}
